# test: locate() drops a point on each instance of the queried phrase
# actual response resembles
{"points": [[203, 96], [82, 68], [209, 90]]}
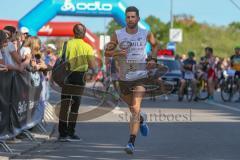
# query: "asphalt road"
{"points": [[179, 131]]}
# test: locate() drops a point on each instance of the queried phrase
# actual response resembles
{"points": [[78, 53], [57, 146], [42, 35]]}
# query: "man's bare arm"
{"points": [[153, 43], [16, 57]]}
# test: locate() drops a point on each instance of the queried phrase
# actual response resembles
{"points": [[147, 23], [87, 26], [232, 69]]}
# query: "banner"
{"points": [[26, 99], [20, 101], [5, 95], [20, 96], [36, 105]]}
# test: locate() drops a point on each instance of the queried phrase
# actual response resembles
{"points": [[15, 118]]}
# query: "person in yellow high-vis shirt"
{"points": [[80, 56]]}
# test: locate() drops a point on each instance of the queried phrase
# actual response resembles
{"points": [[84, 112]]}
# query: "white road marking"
{"points": [[223, 106]]}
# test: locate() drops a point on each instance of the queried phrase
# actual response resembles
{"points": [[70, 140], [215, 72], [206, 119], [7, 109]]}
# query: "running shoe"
{"points": [[144, 129], [129, 149]]}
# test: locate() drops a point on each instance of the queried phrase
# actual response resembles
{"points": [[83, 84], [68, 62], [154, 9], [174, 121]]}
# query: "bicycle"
{"points": [[188, 89], [202, 88], [105, 85], [229, 85]]}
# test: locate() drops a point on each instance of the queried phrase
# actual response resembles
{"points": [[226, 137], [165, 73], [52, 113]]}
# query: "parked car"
{"points": [[174, 73]]}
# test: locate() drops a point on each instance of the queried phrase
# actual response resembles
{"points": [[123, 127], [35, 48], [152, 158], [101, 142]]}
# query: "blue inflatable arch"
{"points": [[48, 9]]}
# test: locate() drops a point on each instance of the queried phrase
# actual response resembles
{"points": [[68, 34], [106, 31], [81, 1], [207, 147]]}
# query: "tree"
{"points": [[112, 26], [235, 26], [158, 28]]}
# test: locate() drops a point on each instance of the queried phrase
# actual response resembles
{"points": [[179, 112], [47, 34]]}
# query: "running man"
{"points": [[128, 44]]}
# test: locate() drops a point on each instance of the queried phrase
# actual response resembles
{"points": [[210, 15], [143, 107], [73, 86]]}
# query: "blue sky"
{"points": [[216, 12]]}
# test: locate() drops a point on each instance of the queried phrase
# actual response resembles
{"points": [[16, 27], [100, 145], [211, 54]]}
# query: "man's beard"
{"points": [[131, 26]]}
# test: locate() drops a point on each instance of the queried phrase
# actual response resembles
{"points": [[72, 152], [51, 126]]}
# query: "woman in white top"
{"points": [[25, 52]]}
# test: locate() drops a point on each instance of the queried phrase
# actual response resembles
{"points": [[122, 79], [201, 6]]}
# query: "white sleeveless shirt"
{"points": [[133, 66]]}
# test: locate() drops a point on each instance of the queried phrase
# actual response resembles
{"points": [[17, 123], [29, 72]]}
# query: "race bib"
{"points": [[231, 72], [188, 75], [130, 70], [136, 58]]}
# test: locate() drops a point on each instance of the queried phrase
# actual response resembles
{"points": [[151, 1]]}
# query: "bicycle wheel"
{"points": [[202, 90], [110, 89], [99, 89], [189, 91], [226, 90]]}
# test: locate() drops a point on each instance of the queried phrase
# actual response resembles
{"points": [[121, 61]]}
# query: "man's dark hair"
{"points": [[209, 49], [79, 33], [11, 29], [132, 9], [3, 36]]}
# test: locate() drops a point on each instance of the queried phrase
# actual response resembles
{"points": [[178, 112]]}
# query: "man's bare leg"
{"points": [[135, 109], [211, 87], [134, 102], [181, 89], [128, 99]]}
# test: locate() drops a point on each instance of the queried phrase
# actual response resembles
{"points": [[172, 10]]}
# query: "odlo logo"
{"points": [[35, 79], [22, 107], [81, 6]]}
